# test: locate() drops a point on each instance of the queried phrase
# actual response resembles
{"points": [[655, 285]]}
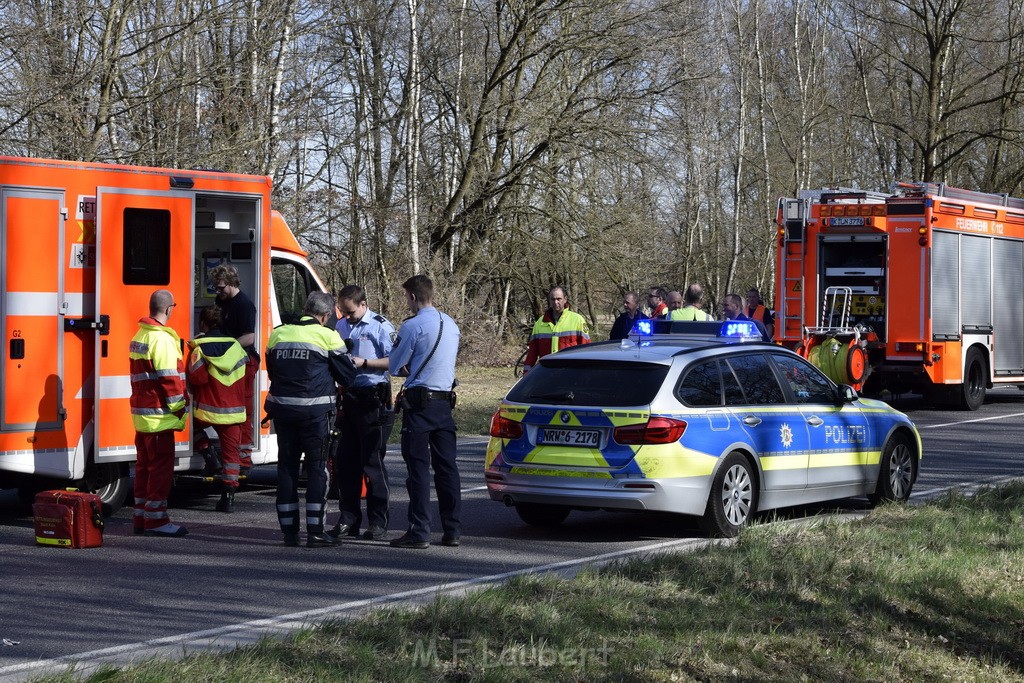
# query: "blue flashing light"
{"points": [[739, 328], [644, 327]]}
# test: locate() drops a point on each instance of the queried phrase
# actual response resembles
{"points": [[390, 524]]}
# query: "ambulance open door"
{"points": [[143, 243]]}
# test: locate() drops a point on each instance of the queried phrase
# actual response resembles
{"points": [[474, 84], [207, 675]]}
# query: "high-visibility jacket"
{"points": [[216, 374], [549, 336], [757, 313], [305, 360], [690, 313], [158, 378]]}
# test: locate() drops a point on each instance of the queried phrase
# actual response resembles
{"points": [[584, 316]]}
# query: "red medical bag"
{"points": [[68, 519]]}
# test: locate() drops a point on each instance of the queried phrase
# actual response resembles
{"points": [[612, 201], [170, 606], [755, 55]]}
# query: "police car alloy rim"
{"points": [[901, 469], [736, 495]]}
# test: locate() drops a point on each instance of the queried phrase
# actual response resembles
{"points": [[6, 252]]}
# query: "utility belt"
{"points": [[416, 398], [373, 399]]}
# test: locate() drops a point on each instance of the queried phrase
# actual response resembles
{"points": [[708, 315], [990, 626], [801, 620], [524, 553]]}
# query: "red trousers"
{"points": [[154, 470], [230, 457], [252, 367]]}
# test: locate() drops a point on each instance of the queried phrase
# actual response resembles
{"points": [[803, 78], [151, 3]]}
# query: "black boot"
{"points": [[227, 500], [212, 466]]}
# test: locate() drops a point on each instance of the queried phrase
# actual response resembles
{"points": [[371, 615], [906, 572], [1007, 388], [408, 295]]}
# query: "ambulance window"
{"points": [[292, 284], [147, 247]]}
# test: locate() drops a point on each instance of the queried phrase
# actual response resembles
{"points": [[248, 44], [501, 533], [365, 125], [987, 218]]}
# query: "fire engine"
{"points": [[918, 289], [82, 247]]}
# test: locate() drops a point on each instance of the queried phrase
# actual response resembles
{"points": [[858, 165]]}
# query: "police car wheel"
{"points": [[895, 471], [733, 499], [538, 514]]}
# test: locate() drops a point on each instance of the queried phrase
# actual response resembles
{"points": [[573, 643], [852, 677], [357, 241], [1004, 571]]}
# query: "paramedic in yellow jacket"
{"points": [[216, 377], [158, 406], [559, 328]]}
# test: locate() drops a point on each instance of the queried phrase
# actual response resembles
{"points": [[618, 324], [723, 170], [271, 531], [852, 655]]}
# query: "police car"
{"points": [[705, 419]]}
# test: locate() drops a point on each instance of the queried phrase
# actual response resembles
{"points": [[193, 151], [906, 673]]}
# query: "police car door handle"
{"points": [[815, 421], [751, 420]]}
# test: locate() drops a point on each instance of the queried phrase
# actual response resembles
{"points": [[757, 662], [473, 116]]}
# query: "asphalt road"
{"points": [[231, 581]]}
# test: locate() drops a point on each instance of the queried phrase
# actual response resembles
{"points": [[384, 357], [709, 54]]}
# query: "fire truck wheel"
{"points": [[895, 471], [109, 481], [972, 391]]}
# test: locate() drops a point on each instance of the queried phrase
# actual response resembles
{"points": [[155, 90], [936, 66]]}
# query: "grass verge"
{"points": [[927, 593], [480, 391]]}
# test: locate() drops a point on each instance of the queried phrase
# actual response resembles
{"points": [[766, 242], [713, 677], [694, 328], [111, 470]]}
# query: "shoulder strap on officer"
{"points": [[440, 331], [379, 318]]}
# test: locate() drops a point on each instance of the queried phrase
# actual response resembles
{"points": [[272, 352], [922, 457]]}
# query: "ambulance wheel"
{"points": [[972, 391], [733, 499], [538, 514], [895, 471], [109, 481]]}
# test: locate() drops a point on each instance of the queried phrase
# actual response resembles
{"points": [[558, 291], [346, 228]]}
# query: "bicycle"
{"points": [[519, 368]]}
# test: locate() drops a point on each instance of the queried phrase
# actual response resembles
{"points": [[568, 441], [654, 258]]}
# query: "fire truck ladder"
{"points": [[788, 317]]}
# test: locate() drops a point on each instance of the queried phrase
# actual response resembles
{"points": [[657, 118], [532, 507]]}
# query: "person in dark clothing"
{"points": [[630, 314], [306, 362]]}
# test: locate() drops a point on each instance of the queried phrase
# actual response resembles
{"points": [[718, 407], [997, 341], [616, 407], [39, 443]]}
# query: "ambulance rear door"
{"points": [[143, 243], [31, 305]]}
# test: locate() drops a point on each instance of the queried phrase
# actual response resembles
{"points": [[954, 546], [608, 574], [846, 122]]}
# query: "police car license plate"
{"points": [[570, 437]]}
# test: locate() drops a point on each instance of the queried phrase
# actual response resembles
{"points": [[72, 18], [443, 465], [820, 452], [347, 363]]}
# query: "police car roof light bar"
{"points": [[646, 331]]}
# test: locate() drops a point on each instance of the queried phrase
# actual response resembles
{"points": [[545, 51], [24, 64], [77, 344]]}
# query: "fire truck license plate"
{"points": [[570, 437], [846, 222]]}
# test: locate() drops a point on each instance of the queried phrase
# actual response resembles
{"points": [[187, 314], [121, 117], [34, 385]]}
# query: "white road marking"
{"points": [[251, 632], [963, 422]]}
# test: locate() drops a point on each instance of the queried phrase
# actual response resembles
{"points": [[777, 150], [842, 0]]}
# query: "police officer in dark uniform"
{"points": [[425, 353], [305, 360], [366, 409]]}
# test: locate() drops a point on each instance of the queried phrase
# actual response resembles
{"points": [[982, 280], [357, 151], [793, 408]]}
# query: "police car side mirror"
{"points": [[845, 394]]}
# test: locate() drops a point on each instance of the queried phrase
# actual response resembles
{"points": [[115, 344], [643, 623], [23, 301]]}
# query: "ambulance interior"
{"points": [[860, 265], [225, 233]]}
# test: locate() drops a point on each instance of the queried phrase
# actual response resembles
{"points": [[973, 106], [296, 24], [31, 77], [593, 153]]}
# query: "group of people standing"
{"points": [[330, 401], [676, 305], [560, 327]]}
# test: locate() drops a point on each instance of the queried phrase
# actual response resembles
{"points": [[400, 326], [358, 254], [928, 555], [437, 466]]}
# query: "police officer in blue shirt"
{"points": [[425, 353], [366, 417]]}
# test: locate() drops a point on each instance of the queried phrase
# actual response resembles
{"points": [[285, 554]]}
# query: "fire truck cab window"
{"points": [[147, 247]]}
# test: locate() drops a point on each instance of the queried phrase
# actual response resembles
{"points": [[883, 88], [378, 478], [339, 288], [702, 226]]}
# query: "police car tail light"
{"points": [[656, 430], [504, 428]]}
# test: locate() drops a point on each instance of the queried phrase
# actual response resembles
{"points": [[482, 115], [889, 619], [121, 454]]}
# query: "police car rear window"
{"points": [[591, 383]]}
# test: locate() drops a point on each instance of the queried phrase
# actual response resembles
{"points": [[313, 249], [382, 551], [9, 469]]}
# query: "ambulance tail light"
{"points": [[657, 430], [504, 428]]}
